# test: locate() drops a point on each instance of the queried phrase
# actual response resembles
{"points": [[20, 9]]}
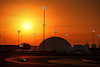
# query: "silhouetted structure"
{"points": [[99, 45], [93, 45], [93, 35], [66, 35], [87, 45], [55, 38], [61, 44], [44, 8], [79, 49], [24, 46], [0, 39], [14, 42], [34, 39], [4, 37], [18, 36], [99, 40]]}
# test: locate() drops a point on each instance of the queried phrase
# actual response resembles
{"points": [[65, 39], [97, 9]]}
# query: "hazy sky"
{"points": [[76, 17]]}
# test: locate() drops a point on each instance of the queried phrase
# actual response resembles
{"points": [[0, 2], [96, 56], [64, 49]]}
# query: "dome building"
{"points": [[57, 43], [79, 49]]}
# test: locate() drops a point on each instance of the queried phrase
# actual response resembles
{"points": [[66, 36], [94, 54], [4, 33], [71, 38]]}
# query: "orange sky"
{"points": [[76, 17]]}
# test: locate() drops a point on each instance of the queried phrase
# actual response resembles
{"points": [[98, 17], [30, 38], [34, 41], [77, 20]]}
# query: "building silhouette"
{"points": [[79, 49], [24, 46], [93, 45], [99, 45], [86, 45], [61, 44]]}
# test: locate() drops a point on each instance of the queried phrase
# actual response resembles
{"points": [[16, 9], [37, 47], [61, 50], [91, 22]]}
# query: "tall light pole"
{"points": [[93, 35], [34, 39], [44, 8], [0, 39], [14, 42], [66, 35], [55, 38], [18, 36], [99, 38], [55, 32], [4, 37]]}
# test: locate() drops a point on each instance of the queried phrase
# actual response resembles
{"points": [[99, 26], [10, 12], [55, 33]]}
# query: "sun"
{"points": [[27, 26]]}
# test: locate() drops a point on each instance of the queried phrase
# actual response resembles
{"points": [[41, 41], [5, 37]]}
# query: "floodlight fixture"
{"points": [[4, 37], [93, 31]]}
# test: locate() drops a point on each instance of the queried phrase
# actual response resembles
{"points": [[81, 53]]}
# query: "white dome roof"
{"points": [[61, 44]]}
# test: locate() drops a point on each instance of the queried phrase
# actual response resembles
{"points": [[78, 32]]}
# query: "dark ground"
{"points": [[4, 63], [11, 52]]}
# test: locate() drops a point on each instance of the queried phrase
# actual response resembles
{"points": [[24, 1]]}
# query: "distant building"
{"points": [[99, 45], [86, 45], [93, 45], [61, 44], [24, 46], [79, 49]]}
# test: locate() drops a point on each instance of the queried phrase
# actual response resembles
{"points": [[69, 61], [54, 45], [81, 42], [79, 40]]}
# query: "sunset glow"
{"points": [[27, 26], [65, 16]]}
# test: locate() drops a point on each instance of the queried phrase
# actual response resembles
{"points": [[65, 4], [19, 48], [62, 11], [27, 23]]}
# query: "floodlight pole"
{"points": [[55, 32], [93, 38], [18, 36], [66, 36], [34, 39], [93, 35], [4, 37], [14, 42], [44, 8], [99, 39], [55, 39], [44, 32], [0, 39]]}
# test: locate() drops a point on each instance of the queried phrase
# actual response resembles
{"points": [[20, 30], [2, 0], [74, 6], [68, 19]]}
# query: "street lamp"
{"points": [[4, 37], [18, 36], [34, 39], [93, 35], [66, 36], [44, 8], [14, 42], [99, 38], [0, 39], [55, 32], [55, 38]]}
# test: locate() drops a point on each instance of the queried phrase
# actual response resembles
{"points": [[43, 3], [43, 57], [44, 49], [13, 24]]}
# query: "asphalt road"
{"points": [[43, 62]]}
